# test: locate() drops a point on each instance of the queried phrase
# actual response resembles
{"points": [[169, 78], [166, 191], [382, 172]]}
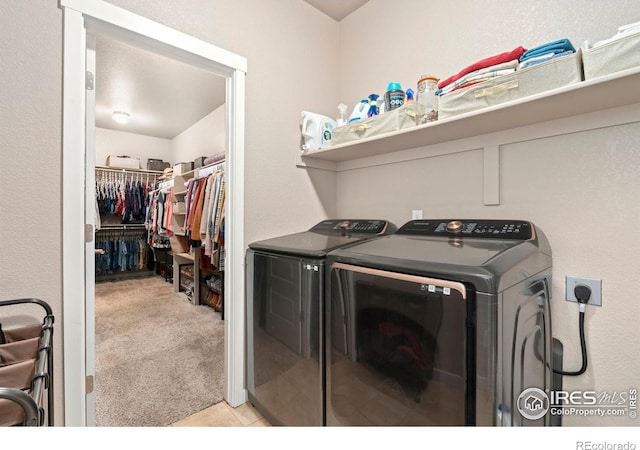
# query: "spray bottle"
{"points": [[343, 109], [410, 95], [373, 105]]}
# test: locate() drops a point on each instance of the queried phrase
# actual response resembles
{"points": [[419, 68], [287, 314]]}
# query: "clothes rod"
{"points": [[165, 184], [132, 226], [120, 170], [208, 170]]}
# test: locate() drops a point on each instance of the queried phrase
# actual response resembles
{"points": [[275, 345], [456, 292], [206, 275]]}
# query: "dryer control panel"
{"points": [[361, 226], [480, 228]]}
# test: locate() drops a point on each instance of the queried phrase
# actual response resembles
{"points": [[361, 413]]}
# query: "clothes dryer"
{"points": [[285, 303], [445, 322]]}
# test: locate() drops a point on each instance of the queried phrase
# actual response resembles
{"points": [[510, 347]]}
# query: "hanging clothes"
{"points": [[214, 215], [167, 224], [196, 217], [122, 251], [123, 194], [204, 215], [158, 231]]}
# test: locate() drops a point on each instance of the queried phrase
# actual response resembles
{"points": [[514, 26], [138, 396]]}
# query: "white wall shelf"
{"points": [[123, 169], [612, 91]]}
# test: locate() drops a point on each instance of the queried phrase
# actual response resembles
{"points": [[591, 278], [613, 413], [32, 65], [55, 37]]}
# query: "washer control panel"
{"points": [[486, 229], [351, 226]]}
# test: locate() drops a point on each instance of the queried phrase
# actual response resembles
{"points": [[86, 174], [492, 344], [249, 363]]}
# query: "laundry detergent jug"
{"points": [[317, 131], [360, 111]]}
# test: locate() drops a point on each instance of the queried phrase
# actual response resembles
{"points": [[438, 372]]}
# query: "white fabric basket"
{"points": [[541, 77], [612, 57], [405, 116]]}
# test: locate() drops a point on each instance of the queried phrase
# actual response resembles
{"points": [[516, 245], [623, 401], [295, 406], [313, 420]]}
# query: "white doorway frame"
{"points": [[99, 16]]}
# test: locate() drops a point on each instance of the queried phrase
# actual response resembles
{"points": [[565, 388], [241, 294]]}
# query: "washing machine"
{"points": [[285, 304], [444, 323]]}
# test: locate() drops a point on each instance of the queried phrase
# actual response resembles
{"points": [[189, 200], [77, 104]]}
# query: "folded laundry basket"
{"points": [[553, 74], [614, 56], [26, 363]]}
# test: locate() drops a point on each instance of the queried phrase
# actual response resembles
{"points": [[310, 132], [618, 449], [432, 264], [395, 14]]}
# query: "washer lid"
{"points": [[325, 236], [489, 260], [475, 228], [450, 251]]}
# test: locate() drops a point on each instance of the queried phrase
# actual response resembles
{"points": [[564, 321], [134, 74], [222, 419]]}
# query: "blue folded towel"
{"points": [[559, 46], [532, 62]]}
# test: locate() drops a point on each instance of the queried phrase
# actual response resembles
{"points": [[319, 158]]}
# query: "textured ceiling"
{"points": [[164, 97], [337, 9]]}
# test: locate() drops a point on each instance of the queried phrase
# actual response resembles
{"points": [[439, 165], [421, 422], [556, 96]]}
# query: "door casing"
{"points": [[79, 16]]}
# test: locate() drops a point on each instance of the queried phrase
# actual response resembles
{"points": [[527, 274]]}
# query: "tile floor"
{"points": [[223, 415]]}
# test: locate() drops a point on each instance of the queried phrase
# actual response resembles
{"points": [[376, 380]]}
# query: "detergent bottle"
{"points": [[317, 131], [360, 110], [394, 97]]}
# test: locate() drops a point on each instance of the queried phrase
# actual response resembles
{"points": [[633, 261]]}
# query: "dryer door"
{"points": [[284, 365], [400, 351]]}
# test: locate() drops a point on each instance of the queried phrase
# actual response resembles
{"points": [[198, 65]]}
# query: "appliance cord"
{"points": [[583, 293]]}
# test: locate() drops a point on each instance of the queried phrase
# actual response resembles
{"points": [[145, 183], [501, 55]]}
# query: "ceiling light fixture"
{"points": [[121, 116]]}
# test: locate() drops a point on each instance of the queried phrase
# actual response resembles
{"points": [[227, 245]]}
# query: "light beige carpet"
{"points": [[159, 358]]}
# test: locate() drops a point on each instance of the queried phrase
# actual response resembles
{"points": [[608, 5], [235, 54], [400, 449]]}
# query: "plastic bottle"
{"points": [[427, 86], [360, 110], [373, 105], [394, 97], [342, 108], [410, 95], [317, 131], [382, 106], [327, 132]]}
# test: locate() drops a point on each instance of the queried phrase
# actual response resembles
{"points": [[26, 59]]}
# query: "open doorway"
{"points": [[159, 345], [90, 16]]}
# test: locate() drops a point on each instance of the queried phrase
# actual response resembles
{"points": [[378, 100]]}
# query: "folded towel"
{"points": [[623, 28], [623, 32], [516, 53], [540, 59], [480, 75], [559, 46], [510, 65]]}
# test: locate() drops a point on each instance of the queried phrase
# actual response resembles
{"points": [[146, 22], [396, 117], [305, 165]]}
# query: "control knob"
{"points": [[455, 226]]}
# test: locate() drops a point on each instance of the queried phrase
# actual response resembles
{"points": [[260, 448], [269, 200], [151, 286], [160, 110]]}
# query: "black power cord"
{"points": [[583, 294]]}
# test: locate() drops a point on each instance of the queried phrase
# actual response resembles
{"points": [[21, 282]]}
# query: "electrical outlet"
{"points": [[416, 214], [594, 284]]}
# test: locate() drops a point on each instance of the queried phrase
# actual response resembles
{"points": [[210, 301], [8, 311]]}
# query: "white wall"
{"points": [[292, 54], [274, 35], [581, 188], [207, 137], [423, 38], [117, 143], [30, 126], [300, 59]]}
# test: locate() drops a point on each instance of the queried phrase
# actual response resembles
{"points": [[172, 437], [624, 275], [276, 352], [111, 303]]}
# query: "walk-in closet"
{"points": [[160, 140]]}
